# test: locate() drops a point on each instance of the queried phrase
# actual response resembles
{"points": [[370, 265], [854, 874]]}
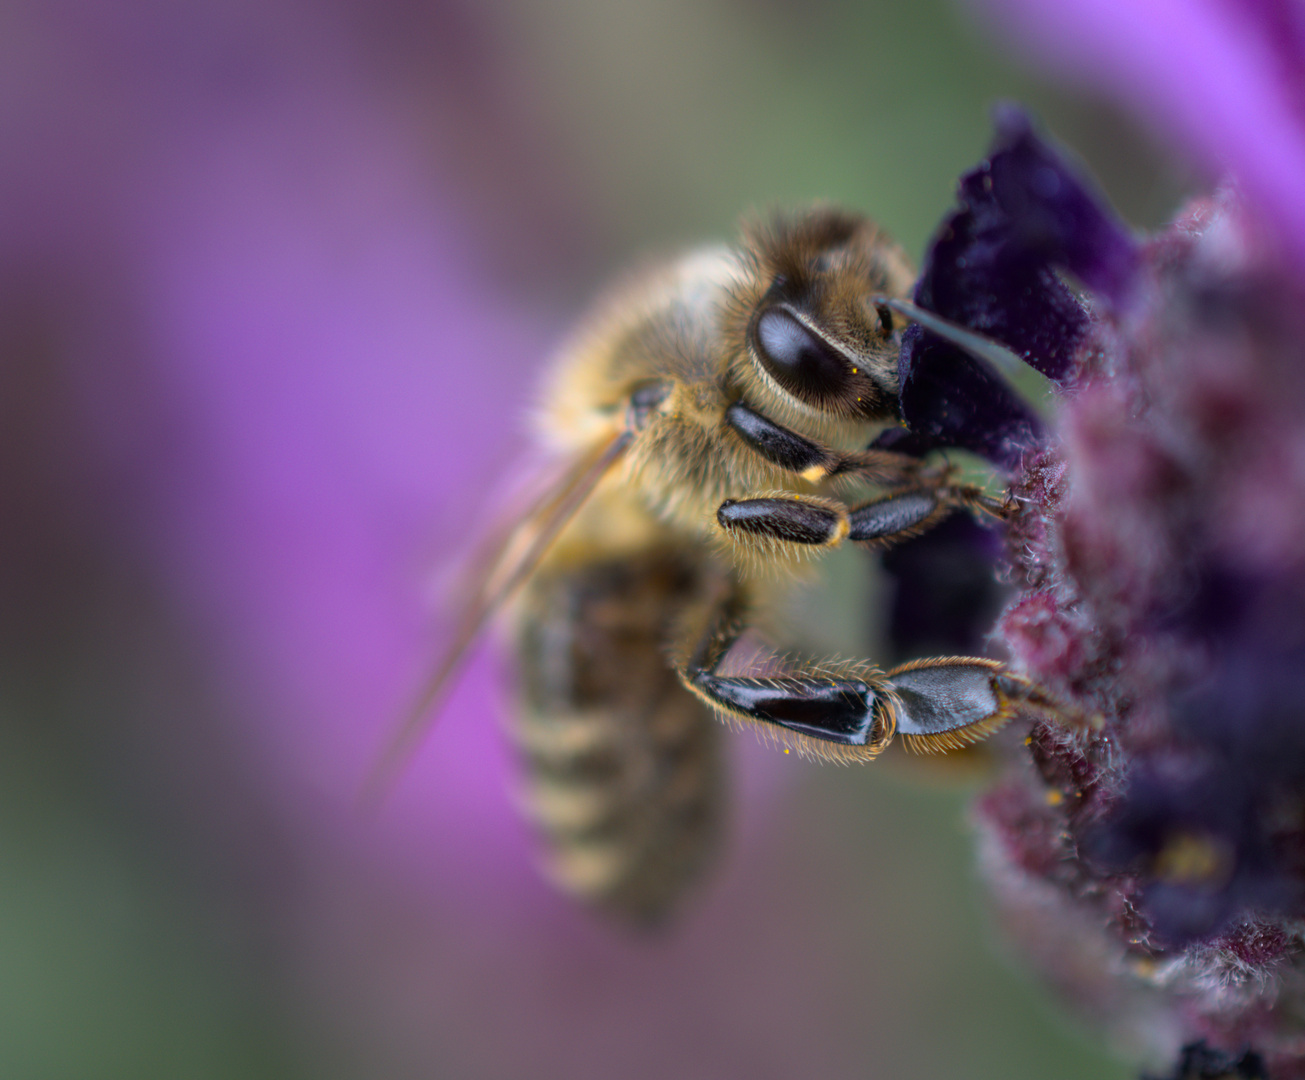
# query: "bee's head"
{"points": [[815, 334]]}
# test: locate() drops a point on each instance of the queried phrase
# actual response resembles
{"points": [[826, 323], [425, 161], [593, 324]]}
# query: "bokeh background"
{"points": [[277, 280]]}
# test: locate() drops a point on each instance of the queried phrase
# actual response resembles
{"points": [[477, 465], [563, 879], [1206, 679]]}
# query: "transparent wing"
{"points": [[510, 559]]}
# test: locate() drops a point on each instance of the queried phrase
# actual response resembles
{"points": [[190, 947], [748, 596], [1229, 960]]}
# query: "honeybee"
{"points": [[715, 416]]}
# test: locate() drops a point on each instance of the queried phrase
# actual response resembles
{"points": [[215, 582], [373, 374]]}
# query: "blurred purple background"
{"points": [[276, 283]]}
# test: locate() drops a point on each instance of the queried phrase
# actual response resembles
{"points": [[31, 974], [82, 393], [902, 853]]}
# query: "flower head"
{"points": [[1159, 585]]}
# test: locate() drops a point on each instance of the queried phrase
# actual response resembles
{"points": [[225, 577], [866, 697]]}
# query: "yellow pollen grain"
{"points": [[1054, 797], [1188, 859], [856, 371]]}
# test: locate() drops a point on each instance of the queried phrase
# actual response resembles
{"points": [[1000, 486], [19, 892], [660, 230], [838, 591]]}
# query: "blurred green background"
{"points": [[668, 120], [143, 934]]}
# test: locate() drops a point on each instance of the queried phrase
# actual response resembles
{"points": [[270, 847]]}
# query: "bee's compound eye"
{"points": [[800, 361]]}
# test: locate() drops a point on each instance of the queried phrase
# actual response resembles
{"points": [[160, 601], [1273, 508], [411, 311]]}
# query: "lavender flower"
{"points": [[1158, 566], [1154, 861]]}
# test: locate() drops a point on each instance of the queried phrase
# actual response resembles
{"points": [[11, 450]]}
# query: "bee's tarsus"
{"points": [[950, 702], [897, 516]]}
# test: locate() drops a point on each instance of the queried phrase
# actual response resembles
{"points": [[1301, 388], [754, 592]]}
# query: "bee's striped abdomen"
{"points": [[622, 765]]}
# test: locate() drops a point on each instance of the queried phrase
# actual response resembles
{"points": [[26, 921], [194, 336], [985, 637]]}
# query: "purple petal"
{"points": [[1024, 215], [1223, 79], [946, 595], [994, 267]]}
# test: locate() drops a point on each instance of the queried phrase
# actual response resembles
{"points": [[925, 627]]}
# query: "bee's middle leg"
{"points": [[814, 522], [920, 496]]}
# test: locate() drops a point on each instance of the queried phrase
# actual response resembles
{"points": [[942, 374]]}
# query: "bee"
{"points": [[715, 416]]}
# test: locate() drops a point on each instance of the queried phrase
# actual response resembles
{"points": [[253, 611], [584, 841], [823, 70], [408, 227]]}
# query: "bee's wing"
{"points": [[495, 578]]}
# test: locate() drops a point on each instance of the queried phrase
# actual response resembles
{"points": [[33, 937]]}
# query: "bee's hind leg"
{"points": [[837, 714], [950, 702], [851, 711]]}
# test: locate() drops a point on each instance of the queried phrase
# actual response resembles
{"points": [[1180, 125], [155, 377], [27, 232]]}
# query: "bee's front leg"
{"points": [[799, 455]]}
